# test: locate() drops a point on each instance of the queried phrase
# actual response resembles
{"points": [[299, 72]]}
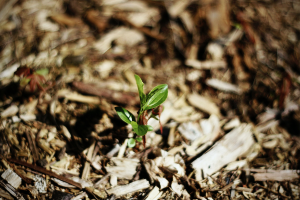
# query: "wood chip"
{"points": [[223, 86], [177, 188], [206, 64], [122, 172], [178, 7], [233, 145], [204, 104], [74, 96], [154, 194], [65, 20], [10, 111], [232, 124], [122, 149], [162, 182], [277, 175], [97, 20], [131, 187], [190, 131], [12, 178], [121, 169], [87, 165]]}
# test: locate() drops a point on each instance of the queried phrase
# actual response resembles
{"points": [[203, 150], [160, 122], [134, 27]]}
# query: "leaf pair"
{"points": [[129, 118], [125, 115], [155, 97]]}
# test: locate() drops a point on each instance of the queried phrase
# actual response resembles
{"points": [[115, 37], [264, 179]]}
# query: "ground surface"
{"points": [[230, 123]]}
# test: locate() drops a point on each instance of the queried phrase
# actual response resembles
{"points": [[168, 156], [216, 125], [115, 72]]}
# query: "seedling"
{"points": [[34, 78], [150, 102]]}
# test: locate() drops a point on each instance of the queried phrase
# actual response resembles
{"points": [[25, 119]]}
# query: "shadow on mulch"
{"points": [[85, 125], [10, 90], [82, 130]]}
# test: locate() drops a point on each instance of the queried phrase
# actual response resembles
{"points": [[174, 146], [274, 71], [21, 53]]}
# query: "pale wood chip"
{"points": [[220, 64], [154, 194], [277, 175], [12, 178], [122, 149], [10, 111], [223, 86], [131, 187], [162, 182], [74, 96], [232, 124], [177, 188], [87, 165], [122, 171], [178, 7], [204, 104], [233, 145]]}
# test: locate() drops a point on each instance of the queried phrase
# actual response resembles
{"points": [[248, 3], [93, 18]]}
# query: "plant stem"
{"points": [[143, 121]]}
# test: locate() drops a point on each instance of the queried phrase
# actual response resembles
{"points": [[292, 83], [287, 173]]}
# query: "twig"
{"points": [[118, 97], [47, 172], [144, 30], [24, 178]]}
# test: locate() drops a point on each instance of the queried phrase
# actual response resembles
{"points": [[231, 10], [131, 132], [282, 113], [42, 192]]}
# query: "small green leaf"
{"points": [[150, 128], [140, 86], [131, 142], [139, 139], [42, 72], [238, 26], [125, 115], [156, 96], [24, 81], [139, 129]]}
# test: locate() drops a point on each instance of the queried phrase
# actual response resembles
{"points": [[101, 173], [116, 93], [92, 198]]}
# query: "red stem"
{"points": [[285, 89], [143, 121]]}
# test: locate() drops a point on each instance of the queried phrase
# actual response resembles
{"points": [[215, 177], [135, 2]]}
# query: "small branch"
{"points": [[118, 97], [27, 180], [144, 30], [47, 172]]}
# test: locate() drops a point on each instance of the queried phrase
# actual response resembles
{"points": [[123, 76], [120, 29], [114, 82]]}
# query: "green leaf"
{"points": [[42, 72], [140, 86], [139, 129], [125, 115], [24, 81], [131, 142], [139, 139], [238, 26], [150, 128], [156, 96]]}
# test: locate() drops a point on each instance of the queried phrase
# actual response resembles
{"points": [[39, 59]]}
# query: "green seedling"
{"points": [[150, 107], [35, 79]]}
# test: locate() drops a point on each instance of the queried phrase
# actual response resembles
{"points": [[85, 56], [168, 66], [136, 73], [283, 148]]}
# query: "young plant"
{"points": [[150, 102], [34, 78]]}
